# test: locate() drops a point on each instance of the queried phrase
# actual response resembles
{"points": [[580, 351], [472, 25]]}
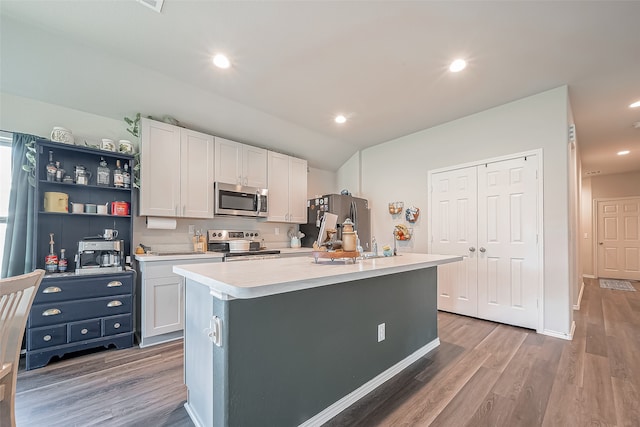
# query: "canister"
{"points": [[56, 202]]}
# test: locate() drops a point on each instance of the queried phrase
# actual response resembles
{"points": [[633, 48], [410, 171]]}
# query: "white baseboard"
{"points": [[561, 335], [351, 398], [192, 415], [577, 305]]}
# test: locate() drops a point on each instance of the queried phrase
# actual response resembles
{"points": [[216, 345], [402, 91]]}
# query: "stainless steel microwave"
{"points": [[239, 200]]}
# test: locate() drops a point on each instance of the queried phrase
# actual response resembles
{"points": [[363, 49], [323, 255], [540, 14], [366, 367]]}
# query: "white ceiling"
{"points": [[298, 63]]}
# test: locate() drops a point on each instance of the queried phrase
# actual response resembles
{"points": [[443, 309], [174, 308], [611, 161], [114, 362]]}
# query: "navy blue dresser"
{"points": [[72, 313]]}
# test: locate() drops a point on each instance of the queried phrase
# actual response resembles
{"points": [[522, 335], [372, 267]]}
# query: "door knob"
{"points": [[482, 249], [472, 249]]}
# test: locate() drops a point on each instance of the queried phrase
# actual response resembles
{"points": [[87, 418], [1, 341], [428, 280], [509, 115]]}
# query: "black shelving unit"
{"points": [[74, 312], [70, 228]]}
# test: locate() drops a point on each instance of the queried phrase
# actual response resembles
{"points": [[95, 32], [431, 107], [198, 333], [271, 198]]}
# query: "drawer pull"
{"points": [[114, 284], [47, 337], [51, 312], [116, 325], [52, 290], [84, 331], [114, 303]]}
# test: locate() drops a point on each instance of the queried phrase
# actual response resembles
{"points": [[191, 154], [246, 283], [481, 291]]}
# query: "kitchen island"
{"points": [[290, 342]]}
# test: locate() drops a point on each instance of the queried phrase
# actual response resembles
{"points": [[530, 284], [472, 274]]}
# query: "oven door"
{"points": [[240, 201]]}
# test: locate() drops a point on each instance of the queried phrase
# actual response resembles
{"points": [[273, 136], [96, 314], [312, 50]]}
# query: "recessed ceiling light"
{"points": [[623, 152], [457, 65], [340, 119], [635, 104], [221, 61]]}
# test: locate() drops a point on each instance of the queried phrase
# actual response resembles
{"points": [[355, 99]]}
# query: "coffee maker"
{"points": [[99, 256]]}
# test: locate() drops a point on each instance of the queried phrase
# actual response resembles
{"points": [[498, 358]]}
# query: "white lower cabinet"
{"points": [[161, 301]]}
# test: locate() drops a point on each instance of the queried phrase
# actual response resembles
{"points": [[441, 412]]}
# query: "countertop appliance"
{"points": [[218, 241], [345, 206], [239, 200], [98, 255]]}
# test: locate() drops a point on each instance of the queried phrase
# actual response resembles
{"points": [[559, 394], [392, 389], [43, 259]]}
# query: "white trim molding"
{"points": [[576, 306], [560, 335]]}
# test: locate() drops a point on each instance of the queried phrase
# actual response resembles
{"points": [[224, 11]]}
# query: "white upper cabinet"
{"points": [[240, 164], [287, 188], [176, 171]]}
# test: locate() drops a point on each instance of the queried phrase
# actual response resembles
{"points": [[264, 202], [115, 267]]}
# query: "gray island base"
{"points": [[288, 342]]}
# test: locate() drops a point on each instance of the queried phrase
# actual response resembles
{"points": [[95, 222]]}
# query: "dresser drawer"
{"points": [[71, 311], [80, 331], [78, 287], [46, 337], [116, 325]]}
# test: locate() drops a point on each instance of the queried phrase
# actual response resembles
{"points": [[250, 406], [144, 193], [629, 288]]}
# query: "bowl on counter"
{"points": [[239, 245]]}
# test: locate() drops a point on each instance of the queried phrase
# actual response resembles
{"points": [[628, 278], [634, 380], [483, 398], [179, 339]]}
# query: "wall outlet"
{"points": [[192, 229], [276, 231], [381, 332]]}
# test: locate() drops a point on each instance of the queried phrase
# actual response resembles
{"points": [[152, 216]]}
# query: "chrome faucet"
{"points": [[375, 246], [395, 250]]}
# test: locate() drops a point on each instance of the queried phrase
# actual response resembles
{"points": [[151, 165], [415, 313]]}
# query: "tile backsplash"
{"points": [[180, 238]]}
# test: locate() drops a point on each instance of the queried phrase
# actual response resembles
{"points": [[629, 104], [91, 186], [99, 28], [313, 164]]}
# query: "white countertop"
{"points": [[302, 251], [155, 257], [258, 278]]}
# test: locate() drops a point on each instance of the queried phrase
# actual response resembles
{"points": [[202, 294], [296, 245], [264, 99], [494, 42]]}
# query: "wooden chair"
{"points": [[16, 296]]}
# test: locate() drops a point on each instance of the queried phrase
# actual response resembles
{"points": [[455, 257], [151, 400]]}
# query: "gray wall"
{"points": [[289, 356]]}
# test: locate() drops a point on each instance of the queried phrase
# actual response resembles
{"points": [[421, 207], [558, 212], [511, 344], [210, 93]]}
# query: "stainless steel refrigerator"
{"points": [[355, 208]]}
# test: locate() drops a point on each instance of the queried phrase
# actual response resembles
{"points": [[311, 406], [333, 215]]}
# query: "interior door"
{"points": [[454, 232], [619, 238], [507, 239]]}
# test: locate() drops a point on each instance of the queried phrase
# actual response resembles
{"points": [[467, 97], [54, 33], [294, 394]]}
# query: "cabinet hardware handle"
{"points": [[51, 312], [472, 249], [51, 290], [116, 325], [482, 249], [114, 303], [114, 284], [601, 243], [47, 337], [84, 331]]}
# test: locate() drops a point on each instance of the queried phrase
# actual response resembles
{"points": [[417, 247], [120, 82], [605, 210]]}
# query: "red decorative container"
{"points": [[120, 208]]}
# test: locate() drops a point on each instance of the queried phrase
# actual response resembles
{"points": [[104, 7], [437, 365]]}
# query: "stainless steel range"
{"points": [[228, 242]]}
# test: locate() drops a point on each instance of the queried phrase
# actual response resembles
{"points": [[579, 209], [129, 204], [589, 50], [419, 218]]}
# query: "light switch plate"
{"points": [[381, 332]]}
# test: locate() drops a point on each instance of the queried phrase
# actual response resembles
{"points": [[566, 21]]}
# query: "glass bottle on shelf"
{"points": [[51, 260], [104, 174], [118, 178], [51, 168], [59, 172], [126, 176], [62, 262]]}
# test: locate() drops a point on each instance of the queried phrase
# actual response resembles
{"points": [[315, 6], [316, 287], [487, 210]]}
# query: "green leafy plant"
{"points": [[134, 129], [29, 164], [134, 125]]}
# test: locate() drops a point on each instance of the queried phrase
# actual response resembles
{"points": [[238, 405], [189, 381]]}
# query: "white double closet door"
{"points": [[488, 215]]}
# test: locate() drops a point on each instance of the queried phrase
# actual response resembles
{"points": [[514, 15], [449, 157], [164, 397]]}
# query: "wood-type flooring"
{"points": [[482, 374]]}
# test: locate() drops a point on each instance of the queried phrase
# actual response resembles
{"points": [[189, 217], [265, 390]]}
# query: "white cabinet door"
{"points": [[508, 249], [298, 191], [160, 169], [254, 166], [196, 174], [454, 232], [164, 305], [228, 165], [176, 171], [278, 187]]}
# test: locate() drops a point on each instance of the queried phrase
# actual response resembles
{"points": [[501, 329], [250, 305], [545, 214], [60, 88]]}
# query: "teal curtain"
{"points": [[18, 244]]}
